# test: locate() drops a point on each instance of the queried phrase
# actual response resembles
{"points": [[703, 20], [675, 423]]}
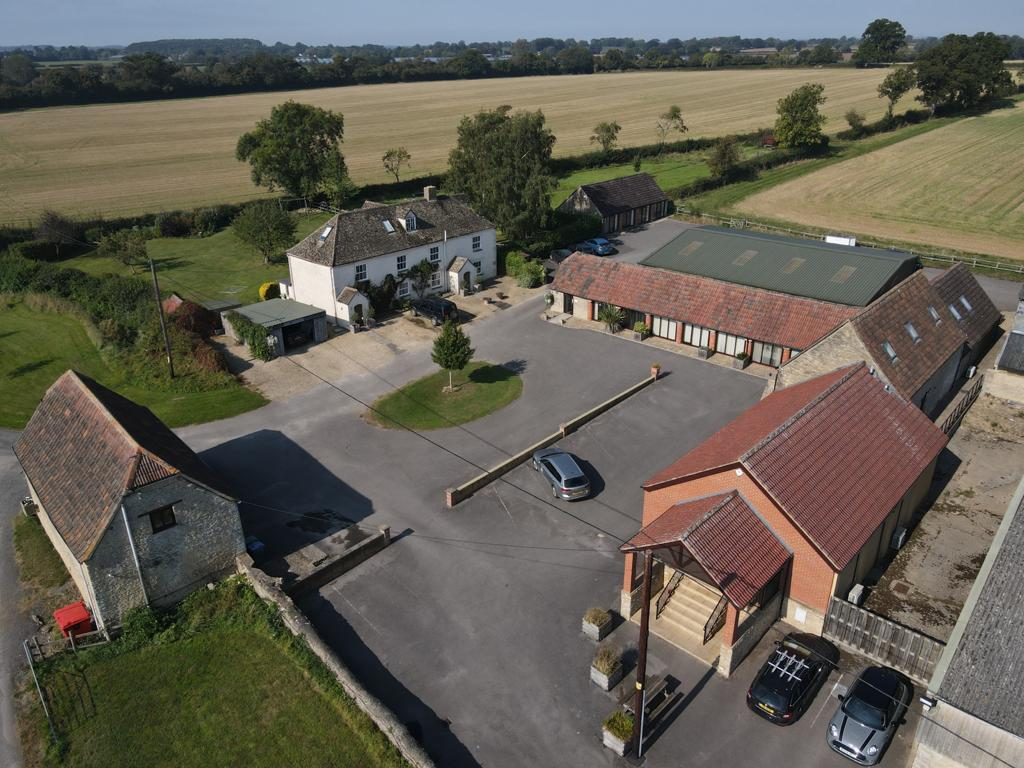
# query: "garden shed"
{"points": [[289, 324]]}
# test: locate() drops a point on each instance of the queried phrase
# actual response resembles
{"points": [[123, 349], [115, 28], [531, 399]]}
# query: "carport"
{"points": [[289, 324]]}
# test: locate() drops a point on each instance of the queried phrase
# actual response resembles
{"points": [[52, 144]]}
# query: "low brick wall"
{"points": [[337, 565], [269, 589], [460, 493]]}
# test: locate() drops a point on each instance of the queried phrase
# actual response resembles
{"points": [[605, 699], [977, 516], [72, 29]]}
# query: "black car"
{"points": [[437, 310], [787, 683]]}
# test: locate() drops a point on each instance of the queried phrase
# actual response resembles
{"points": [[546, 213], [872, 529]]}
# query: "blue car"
{"points": [[597, 246]]}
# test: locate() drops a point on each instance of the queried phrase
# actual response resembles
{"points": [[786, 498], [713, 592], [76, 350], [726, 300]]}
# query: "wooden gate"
{"points": [[883, 640]]}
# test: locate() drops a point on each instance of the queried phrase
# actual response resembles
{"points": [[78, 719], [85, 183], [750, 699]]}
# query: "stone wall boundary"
{"points": [[462, 492], [268, 588]]}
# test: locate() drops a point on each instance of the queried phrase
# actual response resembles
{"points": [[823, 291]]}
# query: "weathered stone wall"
{"points": [[270, 589], [112, 573], [839, 348]]}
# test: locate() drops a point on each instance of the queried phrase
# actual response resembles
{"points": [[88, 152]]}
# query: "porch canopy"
{"points": [[725, 537]]}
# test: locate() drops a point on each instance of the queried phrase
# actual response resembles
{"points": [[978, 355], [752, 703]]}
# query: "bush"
{"points": [[252, 334], [620, 725], [597, 616], [192, 318], [531, 275], [206, 221], [37, 250], [173, 224], [640, 327], [140, 625], [269, 291], [607, 659], [515, 261]]}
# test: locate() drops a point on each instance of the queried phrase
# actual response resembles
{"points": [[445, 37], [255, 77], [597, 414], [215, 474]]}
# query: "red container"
{"points": [[73, 619]]}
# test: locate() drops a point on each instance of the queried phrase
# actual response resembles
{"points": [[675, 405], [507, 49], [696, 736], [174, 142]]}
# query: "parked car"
{"points": [[567, 480], [788, 681], [436, 309], [597, 246], [868, 715]]}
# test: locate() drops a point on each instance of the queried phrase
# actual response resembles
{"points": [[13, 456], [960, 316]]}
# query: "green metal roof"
{"points": [[842, 274], [277, 312]]}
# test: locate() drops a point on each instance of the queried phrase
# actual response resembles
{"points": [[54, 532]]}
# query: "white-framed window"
{"points": [[403, 289], [934, 313], [360, 272], [435, 279], [966, 303], [696, 336], [400, 263], [664, 328], [912, 331], [476, 243], [435, 254], [729, 344], [889, 351], [479, 267], [956, 315], [767, 354], [410, 222]]}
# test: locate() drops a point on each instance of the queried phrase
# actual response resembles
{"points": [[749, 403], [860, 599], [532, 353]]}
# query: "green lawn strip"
{"points": [[221, 682], [37, 347], [723, 199], [480, 389], [38, 561], [216, 267]]}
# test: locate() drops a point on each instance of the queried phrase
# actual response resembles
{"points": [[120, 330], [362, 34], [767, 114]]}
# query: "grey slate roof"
{"points": [[1012, 357], [277, 312], [354, 236], [842, 274], [982, 668], [624, 194]]}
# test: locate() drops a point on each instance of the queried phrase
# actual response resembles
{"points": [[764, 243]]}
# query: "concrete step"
{"points": [[694, 599], [681, 627], [684, 611], [698, 591]]}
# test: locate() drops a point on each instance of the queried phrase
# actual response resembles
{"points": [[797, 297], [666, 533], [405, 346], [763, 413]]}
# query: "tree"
{"points": [[711, 59], [856, 121], [606, 134], [127, 246], [17, 69], [470, 63], [451, 350], [962, 72], [612, 317], [419, 276], [637, 160], [501, 161], [394, 159], [57, 229], [881, 40], [896, 85], [670, 120], [265, 228], [800, 120], [576, 60], [295, 149], [724, 156]]}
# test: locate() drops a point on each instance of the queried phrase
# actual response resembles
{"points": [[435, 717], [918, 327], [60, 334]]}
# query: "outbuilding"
{"points": [[289, 324], [620, 203]]}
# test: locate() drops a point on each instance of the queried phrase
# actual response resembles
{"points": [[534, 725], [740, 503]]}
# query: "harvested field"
{"points": [[117, 159], [958, 187]]}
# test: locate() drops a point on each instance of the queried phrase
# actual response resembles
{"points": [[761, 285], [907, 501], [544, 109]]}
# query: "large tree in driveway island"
{"points": [[501, 163]]}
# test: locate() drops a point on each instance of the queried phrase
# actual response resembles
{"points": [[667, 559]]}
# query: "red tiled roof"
{"points": [[884, 321], [752, 313], [85, 447], [727, 539], [959, 281], [837, 453]]}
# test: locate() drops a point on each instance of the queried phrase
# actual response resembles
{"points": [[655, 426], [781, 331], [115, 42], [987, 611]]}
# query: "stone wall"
{"points": [[841, 347], [270, 589]]}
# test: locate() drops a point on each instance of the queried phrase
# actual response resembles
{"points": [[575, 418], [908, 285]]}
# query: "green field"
{"points": [[37, 347], [480, 389], [38, 562], [224, 684], [960, 187]]}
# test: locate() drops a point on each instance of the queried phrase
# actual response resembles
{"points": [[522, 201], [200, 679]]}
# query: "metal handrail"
{"points": [[716, 620], [667, 592]]}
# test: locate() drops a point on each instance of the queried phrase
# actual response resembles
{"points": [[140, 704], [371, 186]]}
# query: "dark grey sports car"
{"points": [[868, 715]]}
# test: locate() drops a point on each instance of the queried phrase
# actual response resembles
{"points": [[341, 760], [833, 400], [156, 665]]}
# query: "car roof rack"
{"points": [[787, 664]]}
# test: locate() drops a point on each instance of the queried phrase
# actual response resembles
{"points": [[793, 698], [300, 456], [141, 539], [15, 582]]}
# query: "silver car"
{"points": [[560, 469], [868, 715]]}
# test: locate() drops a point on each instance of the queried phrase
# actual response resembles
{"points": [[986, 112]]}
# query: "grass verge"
{"points": [[38, 561], [480, 389], [217, 681]]}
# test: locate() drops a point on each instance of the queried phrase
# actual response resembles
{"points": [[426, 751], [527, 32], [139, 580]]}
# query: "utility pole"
{"points": [[641, 663], [163, 323]]}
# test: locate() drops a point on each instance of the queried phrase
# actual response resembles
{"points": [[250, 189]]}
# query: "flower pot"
{"points": [[739, 363], [614, 743], [704, 353], [606, 682], [596, 631], [655, 371]]}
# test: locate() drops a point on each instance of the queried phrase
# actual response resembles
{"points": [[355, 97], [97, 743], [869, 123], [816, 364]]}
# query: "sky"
{"points": [[353, 22]]}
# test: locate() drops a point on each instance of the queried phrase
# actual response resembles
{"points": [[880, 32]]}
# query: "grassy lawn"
{"points": [[219, 682], [38, 561], [480, 389], [37, 347], [214, 267]]}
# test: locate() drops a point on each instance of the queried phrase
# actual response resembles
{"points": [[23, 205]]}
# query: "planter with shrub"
{"points": [[655, 370], [597, 622], [640, 330], [606, 669], [617, 730], [742, 361]]}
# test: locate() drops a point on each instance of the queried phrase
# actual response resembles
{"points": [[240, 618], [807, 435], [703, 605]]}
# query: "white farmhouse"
{"points": [[329, 267]]}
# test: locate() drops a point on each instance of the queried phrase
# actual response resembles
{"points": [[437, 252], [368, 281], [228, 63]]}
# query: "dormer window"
{"points": [[410, 222], [889, 351], [934, 313], [966, 303], [912, 331]]}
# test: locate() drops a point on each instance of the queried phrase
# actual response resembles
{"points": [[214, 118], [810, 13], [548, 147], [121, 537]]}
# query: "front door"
{"points": [[357, 315], [467, 282], [567, 303]]}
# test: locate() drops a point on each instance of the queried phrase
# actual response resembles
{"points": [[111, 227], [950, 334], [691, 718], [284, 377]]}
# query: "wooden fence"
{"points": [[956, 416], [883, 640]]}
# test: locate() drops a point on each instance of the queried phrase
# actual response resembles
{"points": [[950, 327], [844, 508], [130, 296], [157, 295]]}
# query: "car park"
{"points": [[437, 310], [563, 474], [788, 681], [868, 715], [597, 246]]}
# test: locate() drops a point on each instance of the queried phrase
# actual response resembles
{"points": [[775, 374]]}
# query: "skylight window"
{"points": [[934, 313], [793, 265], [388, 226], [966, 303], [956, 315], [889, 351], [914, 335], [326, 233]]}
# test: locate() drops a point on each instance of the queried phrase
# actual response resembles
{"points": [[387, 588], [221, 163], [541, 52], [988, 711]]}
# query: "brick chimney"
{"points": [[430, 193]]}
